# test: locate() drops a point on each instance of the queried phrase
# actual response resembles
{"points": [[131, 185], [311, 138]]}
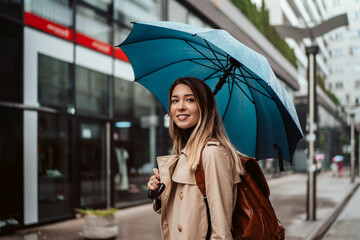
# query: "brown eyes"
{"points": [[187, 100]]}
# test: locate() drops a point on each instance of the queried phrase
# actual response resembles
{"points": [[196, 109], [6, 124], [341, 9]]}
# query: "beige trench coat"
{"points": [[182, 208]]}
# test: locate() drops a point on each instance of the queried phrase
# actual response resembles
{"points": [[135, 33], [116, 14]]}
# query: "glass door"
{"points": [[54, 159], [92, 158]]}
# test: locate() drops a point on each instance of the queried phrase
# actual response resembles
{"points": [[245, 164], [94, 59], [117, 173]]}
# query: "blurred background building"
{"points": [[332, 122], [344, 51], [75, 132]]}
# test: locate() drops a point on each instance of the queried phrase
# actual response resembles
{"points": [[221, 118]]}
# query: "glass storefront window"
{"points": [[92, 24], [54, 167], [92, 150], [123, 95], [92, 93], [135, 139], [54, 82], [11, 159], [57, 11], [144, 102], [10, 59], [127, 11]]}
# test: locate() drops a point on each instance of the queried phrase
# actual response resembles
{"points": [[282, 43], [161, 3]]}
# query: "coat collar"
{"points": [[208, 143]]}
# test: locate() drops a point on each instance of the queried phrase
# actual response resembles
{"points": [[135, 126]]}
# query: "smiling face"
{"points": [[184, 108]]}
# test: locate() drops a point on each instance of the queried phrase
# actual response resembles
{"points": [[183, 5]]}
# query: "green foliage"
{"points": [[98, 212], [261, 21], [321, 81]]}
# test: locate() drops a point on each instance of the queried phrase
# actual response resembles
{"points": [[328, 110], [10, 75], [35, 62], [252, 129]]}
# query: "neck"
{"points": [[186, 133]]}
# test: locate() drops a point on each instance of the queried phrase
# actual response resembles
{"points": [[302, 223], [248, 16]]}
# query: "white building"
{"points": [[344, 53], [306, 14]]}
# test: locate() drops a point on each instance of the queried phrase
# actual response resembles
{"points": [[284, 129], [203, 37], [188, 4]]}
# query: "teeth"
{"points": [[183, 116]]}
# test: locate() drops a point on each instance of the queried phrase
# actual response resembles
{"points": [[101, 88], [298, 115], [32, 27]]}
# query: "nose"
{"points": [[181, 106]]}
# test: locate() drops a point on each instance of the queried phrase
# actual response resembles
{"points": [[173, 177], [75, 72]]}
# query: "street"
{"points": [[287, 195]]}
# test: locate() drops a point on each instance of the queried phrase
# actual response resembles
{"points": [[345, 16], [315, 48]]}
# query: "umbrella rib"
{"points": [[186, 41], [257, 79], [227, 57], [153, 39], [213, 68], [217, 71], [212, 75], [204, 55], [231, 88], [164, 66], [253, 87], [244, 91], [250, 85]]}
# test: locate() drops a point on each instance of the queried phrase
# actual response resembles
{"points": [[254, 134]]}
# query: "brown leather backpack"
{"points": [[253, 217]]}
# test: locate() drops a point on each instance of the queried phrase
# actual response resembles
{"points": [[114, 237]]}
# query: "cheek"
{"points": [[172, 111], [197, 113]]}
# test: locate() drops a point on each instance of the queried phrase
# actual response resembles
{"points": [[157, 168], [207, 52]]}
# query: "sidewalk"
{"points": [[348, 223], [288, 195]]}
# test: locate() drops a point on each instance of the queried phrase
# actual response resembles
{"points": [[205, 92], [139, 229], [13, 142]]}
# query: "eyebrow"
{"points": [[186, 95]]}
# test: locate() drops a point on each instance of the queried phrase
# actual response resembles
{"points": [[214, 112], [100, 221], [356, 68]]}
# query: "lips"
{"points": [[182, 117]]}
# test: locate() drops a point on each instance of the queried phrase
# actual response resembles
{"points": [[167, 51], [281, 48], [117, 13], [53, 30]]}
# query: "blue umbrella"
{"points": [[257, 112]]}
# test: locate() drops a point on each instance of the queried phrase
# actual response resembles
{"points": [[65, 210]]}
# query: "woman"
{"points": [[195, 123]]}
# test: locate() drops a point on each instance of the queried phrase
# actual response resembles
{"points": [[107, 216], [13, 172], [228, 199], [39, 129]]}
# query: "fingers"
{"points": [[156, 172], [153, 183]]}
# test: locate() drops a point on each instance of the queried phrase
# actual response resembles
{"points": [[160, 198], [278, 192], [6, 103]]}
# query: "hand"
{"points": [[154, 180]]}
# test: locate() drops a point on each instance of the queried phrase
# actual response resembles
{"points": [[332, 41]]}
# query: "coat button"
{"points": [[179, 227], [181, 195]]}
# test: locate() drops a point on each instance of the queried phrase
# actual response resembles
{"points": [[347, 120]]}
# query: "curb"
{"points": [[319, 232]]}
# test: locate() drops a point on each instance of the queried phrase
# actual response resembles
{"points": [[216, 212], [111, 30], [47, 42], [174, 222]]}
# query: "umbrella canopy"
{"points": [[257, 112], [338, 158], [319, 157]]}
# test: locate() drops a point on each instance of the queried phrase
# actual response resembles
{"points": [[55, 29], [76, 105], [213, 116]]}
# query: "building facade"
{"points": [[331, 121], [344, 48], [75, 131]]}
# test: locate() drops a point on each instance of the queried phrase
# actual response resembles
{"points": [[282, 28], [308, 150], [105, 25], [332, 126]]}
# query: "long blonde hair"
{"points": [[209, 127]]}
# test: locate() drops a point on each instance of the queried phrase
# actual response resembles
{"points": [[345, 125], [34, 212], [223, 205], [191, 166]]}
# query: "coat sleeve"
{"points": [[219, 190], [157, 206]]}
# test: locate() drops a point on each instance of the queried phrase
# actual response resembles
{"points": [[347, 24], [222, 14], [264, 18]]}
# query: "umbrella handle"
{"points": [[154, 194]]}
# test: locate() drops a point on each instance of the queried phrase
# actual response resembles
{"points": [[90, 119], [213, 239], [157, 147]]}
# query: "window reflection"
{"points": [[135, 141], [54, 82], [127, 11], [92, 94], [123, 95], [92, 24], [92, 164], [144, 102], [54, 166], [58, 11]]}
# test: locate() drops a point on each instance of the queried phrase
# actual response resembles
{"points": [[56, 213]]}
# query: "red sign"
{"points": [[47, 26], [68, 34], [93, 44]]}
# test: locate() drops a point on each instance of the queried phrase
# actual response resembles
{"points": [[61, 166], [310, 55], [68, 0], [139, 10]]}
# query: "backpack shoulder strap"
{"points": [[200, 175], [200, 182]]}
